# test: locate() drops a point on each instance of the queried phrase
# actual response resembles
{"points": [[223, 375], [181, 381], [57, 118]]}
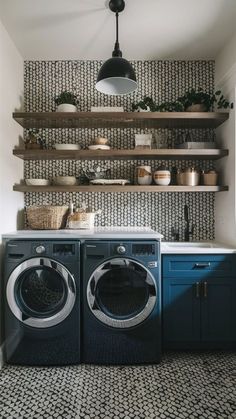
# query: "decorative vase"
{"points": [[144, 175], [66, 107]]}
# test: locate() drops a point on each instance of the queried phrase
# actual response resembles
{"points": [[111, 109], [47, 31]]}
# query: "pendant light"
{"points": [[116, 76]]}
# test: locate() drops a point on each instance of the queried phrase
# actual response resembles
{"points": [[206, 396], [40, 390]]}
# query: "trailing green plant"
{"points": [[191, 97], [199, 97], [66, 97], [146, 104], [170, 107]]}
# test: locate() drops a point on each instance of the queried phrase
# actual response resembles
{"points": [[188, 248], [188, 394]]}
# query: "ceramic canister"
{"points": [[162, 177], [144, 175], [210, 178]]}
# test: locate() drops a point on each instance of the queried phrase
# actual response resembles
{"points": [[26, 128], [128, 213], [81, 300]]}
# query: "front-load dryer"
{"points": [[42, 302], [121, 302]]}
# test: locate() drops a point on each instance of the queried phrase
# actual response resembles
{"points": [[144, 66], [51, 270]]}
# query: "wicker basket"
{"points": [[46, 217]]}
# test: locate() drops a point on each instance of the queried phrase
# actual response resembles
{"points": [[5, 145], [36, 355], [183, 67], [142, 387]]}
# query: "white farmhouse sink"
{"points": [[195, 247], [175, 245]]}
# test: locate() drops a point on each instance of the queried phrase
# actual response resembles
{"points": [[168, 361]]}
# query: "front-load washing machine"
{"points": [[121, 302], [42, 302]]}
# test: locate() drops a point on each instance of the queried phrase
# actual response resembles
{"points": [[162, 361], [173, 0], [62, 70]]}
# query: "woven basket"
{"points": [[82, 220], [46, 217]]}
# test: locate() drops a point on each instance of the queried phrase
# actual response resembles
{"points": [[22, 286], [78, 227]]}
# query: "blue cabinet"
{"points": [[199, 301], [181, 310], [217, 310]]}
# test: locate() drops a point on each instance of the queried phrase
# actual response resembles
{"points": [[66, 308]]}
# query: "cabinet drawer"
{"points": [[199, 266]]}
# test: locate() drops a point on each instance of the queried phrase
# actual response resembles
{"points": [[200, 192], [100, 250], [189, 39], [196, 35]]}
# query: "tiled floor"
{"points": [[184, 385]]}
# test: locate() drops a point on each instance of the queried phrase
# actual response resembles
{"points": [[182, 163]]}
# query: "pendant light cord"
{"points": [[117, 52], [117, 28]]}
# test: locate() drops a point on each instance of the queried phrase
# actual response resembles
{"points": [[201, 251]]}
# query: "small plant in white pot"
{"points": [[66, 102]]}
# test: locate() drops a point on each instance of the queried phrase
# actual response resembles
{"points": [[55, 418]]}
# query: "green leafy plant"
{"points": [[194, 97], [146, 104], [170, 107], [191, 97], [66, 97]]}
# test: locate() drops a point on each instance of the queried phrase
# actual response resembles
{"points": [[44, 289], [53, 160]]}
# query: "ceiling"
{"points": [[149, 29]]}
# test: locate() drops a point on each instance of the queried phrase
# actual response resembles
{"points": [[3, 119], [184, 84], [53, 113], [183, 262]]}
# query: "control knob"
{"points": [[121, 250], [40, 249]]}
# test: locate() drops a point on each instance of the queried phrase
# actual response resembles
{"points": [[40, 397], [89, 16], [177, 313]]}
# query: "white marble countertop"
{"points": [[97, 233], [210, 247], [125, 233]]}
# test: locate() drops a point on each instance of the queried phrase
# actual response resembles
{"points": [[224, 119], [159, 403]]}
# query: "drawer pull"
{"points": [[197, 289], [202, 265], [205, 289]]}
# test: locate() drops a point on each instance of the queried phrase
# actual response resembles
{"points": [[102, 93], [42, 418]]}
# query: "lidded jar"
{"points": [[162, 176]]}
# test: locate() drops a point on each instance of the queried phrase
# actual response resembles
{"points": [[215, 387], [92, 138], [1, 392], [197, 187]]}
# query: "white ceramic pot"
{"points": [[66, 107], [162, 177], [144, 175]]}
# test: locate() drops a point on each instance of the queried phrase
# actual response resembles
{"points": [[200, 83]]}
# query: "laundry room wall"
{"points": [[163, 81], [11, 93]]}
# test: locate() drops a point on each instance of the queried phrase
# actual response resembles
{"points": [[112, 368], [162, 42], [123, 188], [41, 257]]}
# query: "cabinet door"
{"points": [[181, 310], [217, 304]]}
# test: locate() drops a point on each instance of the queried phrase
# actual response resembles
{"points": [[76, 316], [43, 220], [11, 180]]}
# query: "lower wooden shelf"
{"points": [[119, 188]]}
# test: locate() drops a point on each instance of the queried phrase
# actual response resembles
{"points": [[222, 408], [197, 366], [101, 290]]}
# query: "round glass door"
{"points": [[121, 293], [41, 292]]}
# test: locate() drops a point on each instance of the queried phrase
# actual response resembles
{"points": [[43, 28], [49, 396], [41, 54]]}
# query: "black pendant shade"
{"points": [[116, 76]]}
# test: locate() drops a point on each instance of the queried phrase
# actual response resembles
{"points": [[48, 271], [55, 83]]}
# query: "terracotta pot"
{"points": [[197, 107]]}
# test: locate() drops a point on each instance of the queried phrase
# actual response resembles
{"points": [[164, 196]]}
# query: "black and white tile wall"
{"points": [[163, 81]]}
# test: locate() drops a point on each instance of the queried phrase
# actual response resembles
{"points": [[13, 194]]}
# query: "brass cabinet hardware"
{"points": [[202, 265], [197, 289], [205, 289]]}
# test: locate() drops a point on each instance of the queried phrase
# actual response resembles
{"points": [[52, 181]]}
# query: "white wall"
{"points": [[226, 136], [11, 168]]}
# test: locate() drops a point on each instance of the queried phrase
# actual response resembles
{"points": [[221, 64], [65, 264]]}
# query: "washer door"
{"points": [[41, 292], [121, 293]]}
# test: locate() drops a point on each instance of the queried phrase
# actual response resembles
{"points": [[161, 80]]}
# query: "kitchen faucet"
{"points": [[187, 231]]}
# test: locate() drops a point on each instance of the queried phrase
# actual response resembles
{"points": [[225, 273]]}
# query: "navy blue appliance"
{"points": [[121, 302], [42, 302]]}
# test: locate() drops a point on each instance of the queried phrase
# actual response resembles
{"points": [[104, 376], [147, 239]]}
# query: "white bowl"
{"points": [[66, 146], [37, 182], [99, 147], [64, 180]]}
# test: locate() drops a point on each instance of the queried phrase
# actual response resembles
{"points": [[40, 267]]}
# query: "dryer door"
{"points": [[121, 293], [41, 292]]}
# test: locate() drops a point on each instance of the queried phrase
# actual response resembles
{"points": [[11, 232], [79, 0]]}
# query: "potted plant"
{"points": [[66, 102], [200, 101], [33, 141], [145, 105]]}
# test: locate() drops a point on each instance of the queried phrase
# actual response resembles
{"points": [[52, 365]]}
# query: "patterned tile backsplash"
{"points": [[163, 81]]}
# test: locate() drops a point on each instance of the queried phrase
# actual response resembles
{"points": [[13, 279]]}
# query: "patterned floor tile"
{"points": [[184, 385]]}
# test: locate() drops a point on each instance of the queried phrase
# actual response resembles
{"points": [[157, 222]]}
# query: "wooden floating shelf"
{"points": [[155, 154], [119, 188], [120, 119]]}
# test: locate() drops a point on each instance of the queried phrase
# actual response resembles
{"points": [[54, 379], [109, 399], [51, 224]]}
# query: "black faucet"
{"points": [[187, 231]]}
